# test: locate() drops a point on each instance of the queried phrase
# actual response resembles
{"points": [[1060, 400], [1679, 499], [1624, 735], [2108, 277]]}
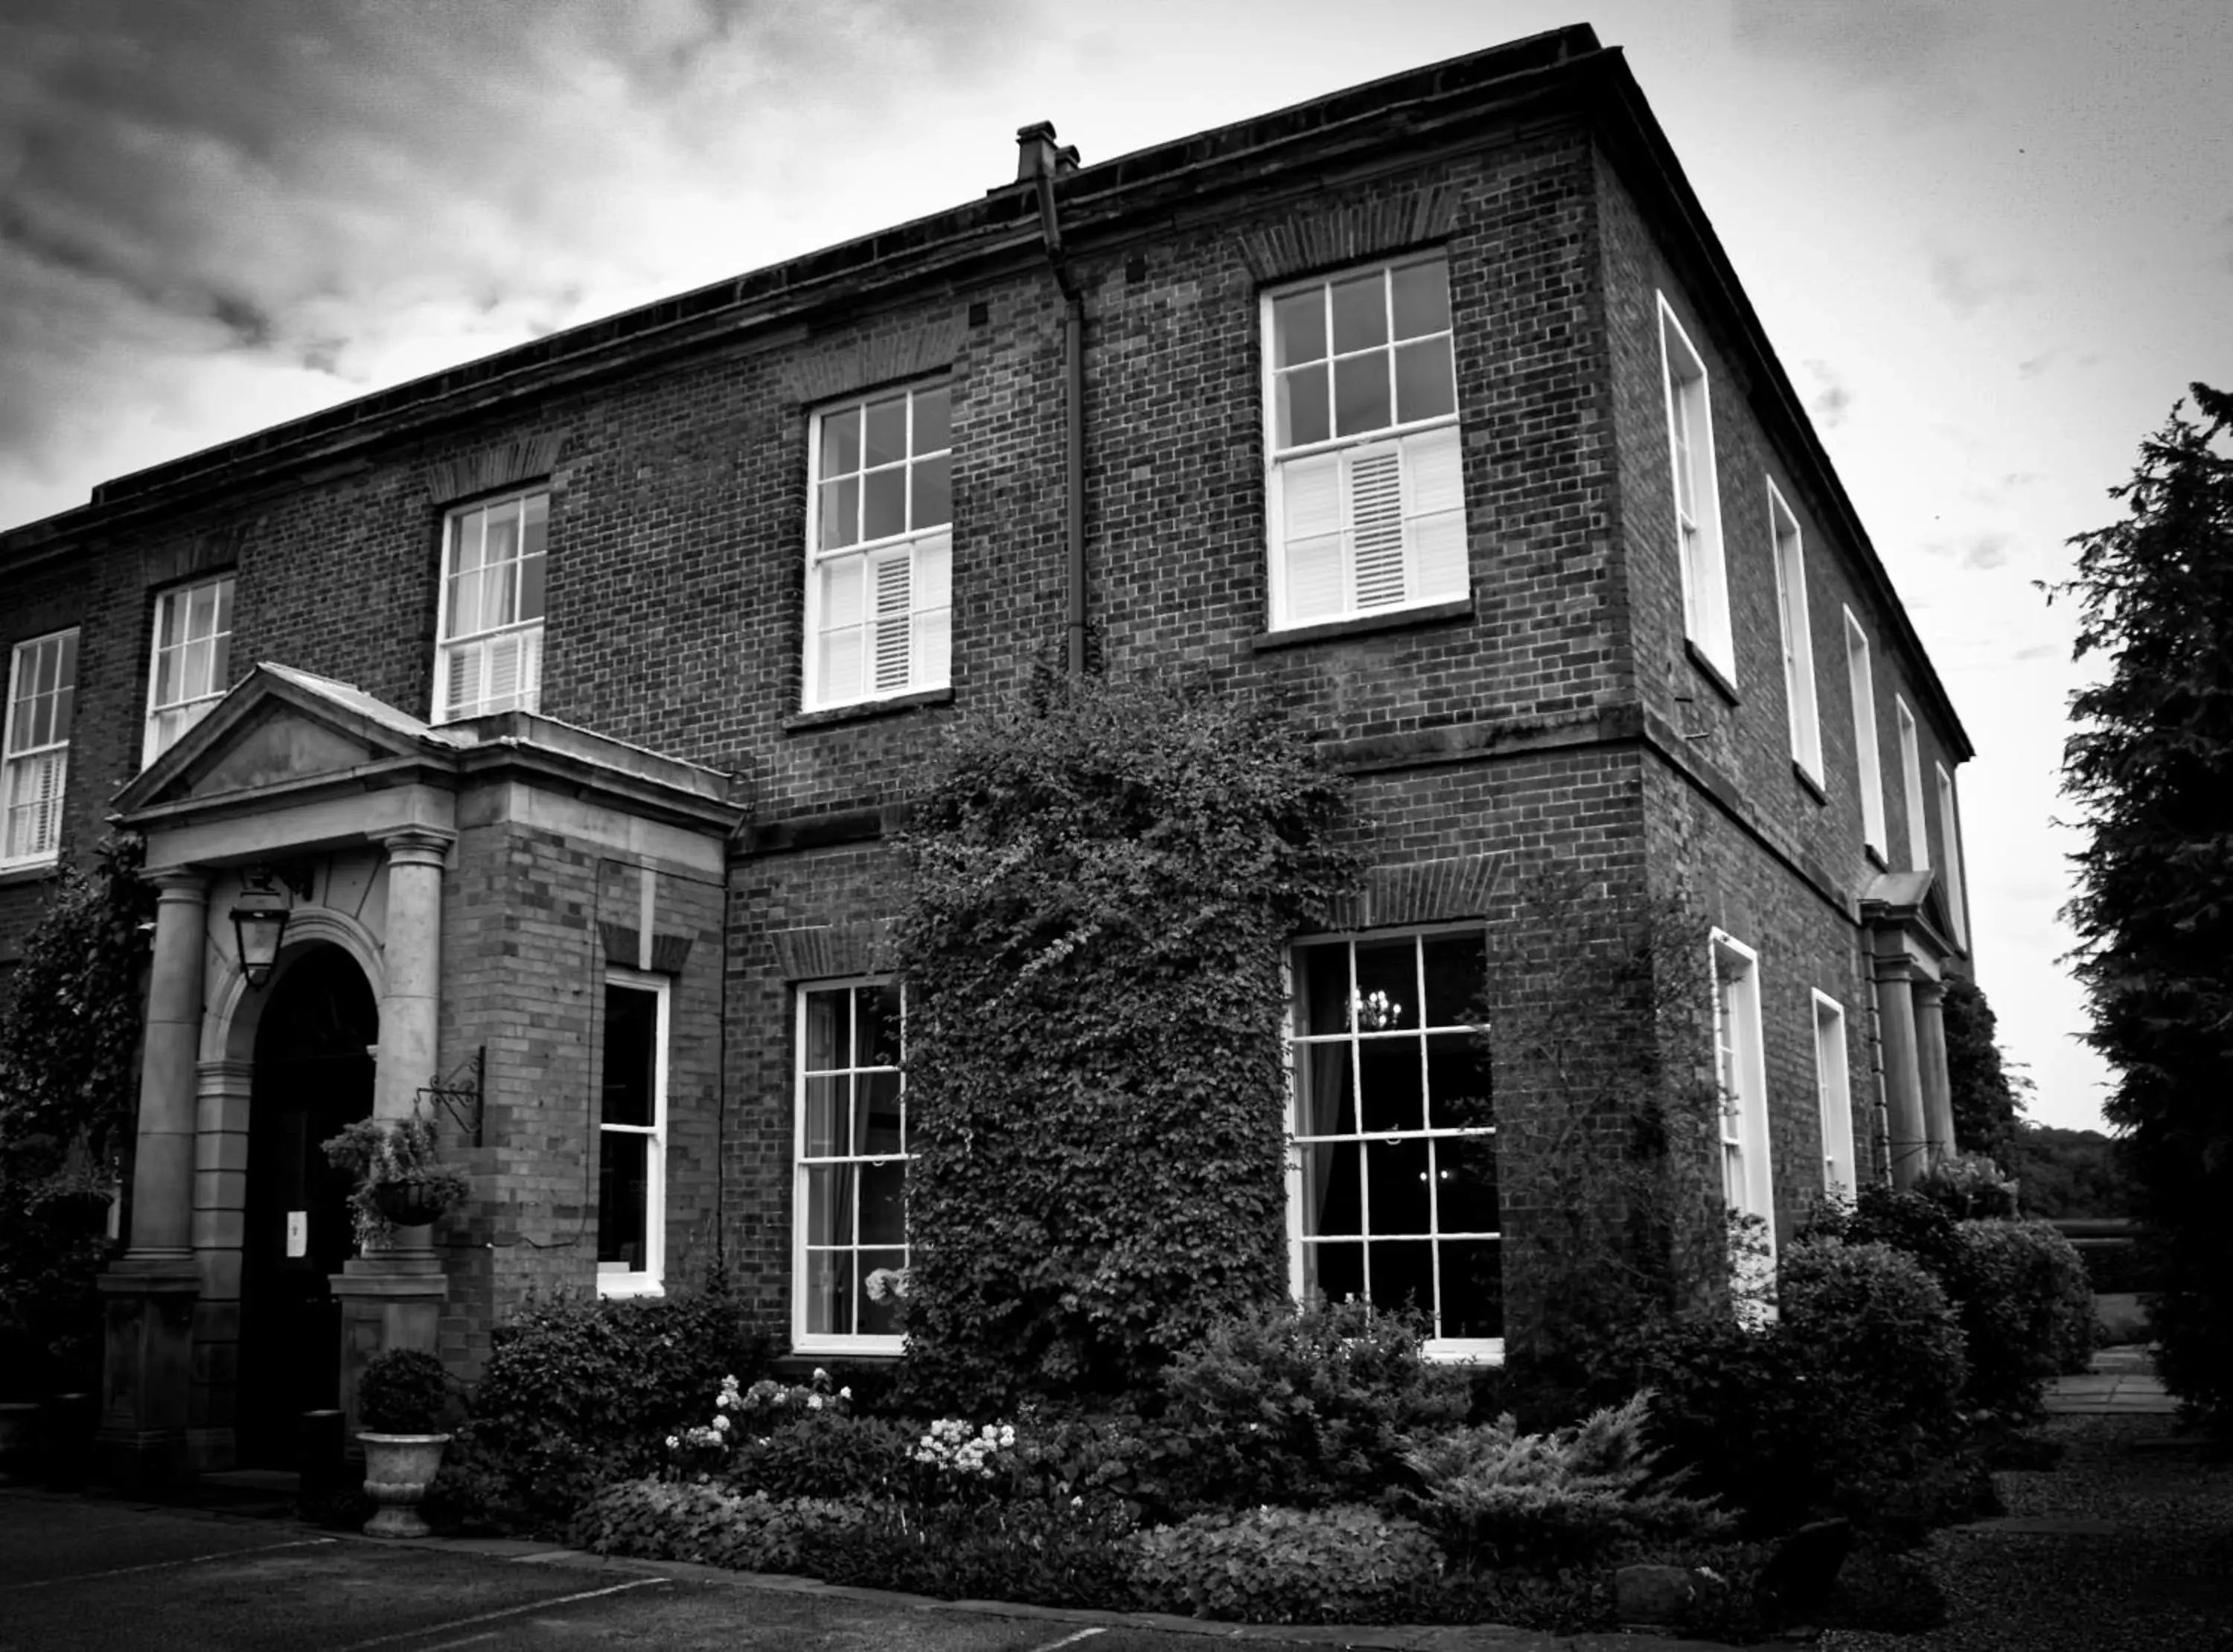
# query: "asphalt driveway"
{"points": [[79, 1574]]}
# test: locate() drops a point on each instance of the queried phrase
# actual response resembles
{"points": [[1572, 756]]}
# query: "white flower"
{"points": [[821, 1375], [814, 1402], [672, 1443], [721, 1425], [845, 1393]]}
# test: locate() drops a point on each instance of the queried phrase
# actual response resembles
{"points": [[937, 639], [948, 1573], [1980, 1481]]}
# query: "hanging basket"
{"points": [[409, 1201]]}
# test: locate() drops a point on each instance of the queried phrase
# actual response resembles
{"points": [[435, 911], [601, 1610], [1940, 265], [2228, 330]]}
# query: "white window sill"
{"points": [[889, 1347], [1358, 625], [31, 871], [629, 1284], [855, 711]]}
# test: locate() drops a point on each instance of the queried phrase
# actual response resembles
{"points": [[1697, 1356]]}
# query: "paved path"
{"points": [[2123, 1382]]}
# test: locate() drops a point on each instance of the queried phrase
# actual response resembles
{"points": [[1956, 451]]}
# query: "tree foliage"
{"points": [[1986, 1095], [1104, 881], [68, 1080], [2150, 764], [2071, 1173]]}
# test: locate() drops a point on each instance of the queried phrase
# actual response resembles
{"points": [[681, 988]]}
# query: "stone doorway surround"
{"points": [[357, 805], [1904, 934]]}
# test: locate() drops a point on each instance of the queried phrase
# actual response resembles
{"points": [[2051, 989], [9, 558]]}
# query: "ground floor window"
{"points": [[1392, 1179], [1833, 1093], [632, 1136], [1741, 1070], [851, 1199]]}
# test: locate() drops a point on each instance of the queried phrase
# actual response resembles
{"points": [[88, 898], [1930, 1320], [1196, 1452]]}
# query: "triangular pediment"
{"points": [[280, 729]]}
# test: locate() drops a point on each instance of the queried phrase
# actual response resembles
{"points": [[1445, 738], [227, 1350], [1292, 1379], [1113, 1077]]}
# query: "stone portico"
{"points": [[413, 852]]}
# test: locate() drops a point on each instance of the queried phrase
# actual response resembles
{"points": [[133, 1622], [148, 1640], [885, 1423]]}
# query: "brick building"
{"points": [[567, 699]]}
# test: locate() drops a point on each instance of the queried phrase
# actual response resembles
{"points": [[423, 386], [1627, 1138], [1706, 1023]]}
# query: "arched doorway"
{"points": [[313, 1075]]}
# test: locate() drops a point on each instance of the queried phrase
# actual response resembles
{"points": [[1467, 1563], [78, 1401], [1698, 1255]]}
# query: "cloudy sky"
{"points": [[1991, 239]]}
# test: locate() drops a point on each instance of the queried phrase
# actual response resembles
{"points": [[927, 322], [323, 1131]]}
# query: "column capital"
{"points": [[188, 883], [416, 845], [1929, 994]]}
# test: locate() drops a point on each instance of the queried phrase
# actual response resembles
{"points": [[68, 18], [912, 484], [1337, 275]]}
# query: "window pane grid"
{"points": [[495, 564], [881, 552], [35, 742], [851, 1154], [192, 662], [1384, 1203], [631, 1135]]}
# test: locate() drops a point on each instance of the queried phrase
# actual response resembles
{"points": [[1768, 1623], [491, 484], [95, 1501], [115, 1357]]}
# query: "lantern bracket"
{"points": [[462, 1091]]}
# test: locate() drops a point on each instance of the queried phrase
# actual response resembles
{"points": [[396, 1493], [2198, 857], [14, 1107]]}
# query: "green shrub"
{"points": [[580, 1391], [698, 1520], [2114, 1267], [1969, 1186], [2017, 1288], [825, 1455], [402, 1391], [1499, 1498], [1307, 1407], [1344, 1565], [1037, 1550], [2027, 1310], [1850, 1392]]}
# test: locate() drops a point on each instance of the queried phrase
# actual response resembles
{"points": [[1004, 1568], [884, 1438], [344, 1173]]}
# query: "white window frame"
{"points": [[1697, 495], [1868, 759], [1413, 469], [169, 718], [1459, 1350], [1834, 1095], [523, 633], [619, 1280], [914, 625], [804, 1340], [1949, 843], [1911, 781], [35, 741], [1740, 1077], [1790, 560]]}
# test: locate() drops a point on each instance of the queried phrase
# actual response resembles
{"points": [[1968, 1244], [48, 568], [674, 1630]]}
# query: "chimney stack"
{"points": [[1037, 155]]}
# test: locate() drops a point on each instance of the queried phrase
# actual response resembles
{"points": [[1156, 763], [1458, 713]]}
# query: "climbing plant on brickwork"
{"points": [[2150, 766], [1104, 878], [69, 1035]]}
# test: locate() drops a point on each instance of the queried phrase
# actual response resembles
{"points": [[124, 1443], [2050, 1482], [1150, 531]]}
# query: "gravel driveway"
{"points": [[2127, 1544]]}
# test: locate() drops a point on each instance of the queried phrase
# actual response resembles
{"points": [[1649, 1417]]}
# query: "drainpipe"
{"points": [[1040, 163]]}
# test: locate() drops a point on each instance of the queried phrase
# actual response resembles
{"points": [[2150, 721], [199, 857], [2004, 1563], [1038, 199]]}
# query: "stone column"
{"points": [[147, 1356], [1903, 1081], [1930, 1060], [219, 1231], [392, 1296]]}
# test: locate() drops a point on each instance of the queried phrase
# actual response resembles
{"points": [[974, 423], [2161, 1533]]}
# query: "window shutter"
{"points": [[462, 676], [1310, 502], [1375, 525], [531, 669], [35, 803], [894, 622], [1434, 516]]}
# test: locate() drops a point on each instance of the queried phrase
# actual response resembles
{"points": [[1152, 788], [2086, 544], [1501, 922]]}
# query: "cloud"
{"points": [[1964, 289], [2225, 243], [2032, 367], [1883, 39], [1986, 551], [1833, 398], [333, 185]]}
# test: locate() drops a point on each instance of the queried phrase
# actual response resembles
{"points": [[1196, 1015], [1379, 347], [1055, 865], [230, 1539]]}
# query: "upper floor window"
{"points": [[34, 752], [1910, 778], [193, 664], [1868, 763], [1365, 494], [852, 1158], [490, 658], [1798, 636], [1393, 1183], [1698, 501], [1950, 842], [880, 548], [632, 1136]]}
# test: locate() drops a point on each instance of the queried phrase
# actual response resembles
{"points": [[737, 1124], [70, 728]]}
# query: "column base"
{"points": [[147, 1371], [391, 1299]]}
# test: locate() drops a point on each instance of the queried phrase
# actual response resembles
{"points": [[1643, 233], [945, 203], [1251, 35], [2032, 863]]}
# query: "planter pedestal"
{"points": [[398, 1468]]}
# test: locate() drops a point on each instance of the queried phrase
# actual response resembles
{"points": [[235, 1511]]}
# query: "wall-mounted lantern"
{"points": [[260, 922]]}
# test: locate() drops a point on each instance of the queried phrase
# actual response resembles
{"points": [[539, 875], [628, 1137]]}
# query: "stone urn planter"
{"points": [[19, 1432], [398, 1469], [402, 1399]]}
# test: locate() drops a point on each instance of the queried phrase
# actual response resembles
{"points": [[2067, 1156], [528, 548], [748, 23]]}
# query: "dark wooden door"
{"points": [[313, 1076]]}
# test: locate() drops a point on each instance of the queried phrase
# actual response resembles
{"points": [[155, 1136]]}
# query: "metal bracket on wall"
{"points": [[460, 1090]]}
